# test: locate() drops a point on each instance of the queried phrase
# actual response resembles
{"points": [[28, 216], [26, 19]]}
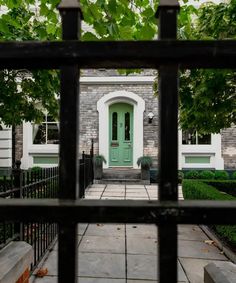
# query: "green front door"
{"points": [[121, 134]]}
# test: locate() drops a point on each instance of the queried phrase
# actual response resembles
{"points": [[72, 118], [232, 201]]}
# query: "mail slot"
{"points": [[114, 144]]}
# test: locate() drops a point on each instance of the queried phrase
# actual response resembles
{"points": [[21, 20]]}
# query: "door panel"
{"points": [[121, 134]]}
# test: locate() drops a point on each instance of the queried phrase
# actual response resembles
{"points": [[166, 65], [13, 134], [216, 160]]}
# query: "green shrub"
{"points": [[144, 161], [193, 189], [180, 177], [227, 186], [233, 176], [206, 175], [192, 174], [99, 159], [221, 175], [36, 169]]}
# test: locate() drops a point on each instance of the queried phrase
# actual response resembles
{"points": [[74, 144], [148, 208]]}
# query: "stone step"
{"points": [[129, 174], [121, 181]]}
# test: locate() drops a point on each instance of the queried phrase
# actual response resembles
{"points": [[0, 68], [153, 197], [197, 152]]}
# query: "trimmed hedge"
{"points": [[221, 175], [233, 176], [192, 174], [193, 189], [207, 175], [227, 186]]}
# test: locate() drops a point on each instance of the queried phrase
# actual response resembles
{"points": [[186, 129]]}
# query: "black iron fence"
{"points": [[86, 171], [36, 184]]}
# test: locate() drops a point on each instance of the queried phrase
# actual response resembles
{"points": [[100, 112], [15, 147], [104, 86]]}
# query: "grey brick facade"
{"points": [[229, 147], [90, 94]]}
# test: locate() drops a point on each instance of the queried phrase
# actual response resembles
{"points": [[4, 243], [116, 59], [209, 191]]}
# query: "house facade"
{"points": [[120, 114]]}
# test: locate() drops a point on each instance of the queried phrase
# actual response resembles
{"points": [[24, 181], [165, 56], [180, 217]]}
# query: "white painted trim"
{"points": [[212, 150], [103, 110], [30, 150], [118, 80]]}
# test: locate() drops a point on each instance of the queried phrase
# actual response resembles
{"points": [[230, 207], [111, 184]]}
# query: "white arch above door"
{"points": [[103, 110]]}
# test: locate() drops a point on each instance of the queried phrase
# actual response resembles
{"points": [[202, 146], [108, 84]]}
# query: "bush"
{"points": [[180, 177], [227, 186], [233, 176], [206, 175], [221, 175], [36, 169], [193, 189], [192, 174], [145, 162]]}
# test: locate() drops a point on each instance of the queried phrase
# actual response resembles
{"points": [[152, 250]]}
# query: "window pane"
{"points": [[39, 134], [53, 135], [114, 126], [204, 139], [127, 126], [188, 137]]}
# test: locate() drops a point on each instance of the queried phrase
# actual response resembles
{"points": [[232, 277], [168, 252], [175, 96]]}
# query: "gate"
{"points": [[167, 55]]}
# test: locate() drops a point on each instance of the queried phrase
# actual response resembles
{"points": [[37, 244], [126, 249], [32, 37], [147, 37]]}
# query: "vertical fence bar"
{"points": [[69, 111], [168, 144]]}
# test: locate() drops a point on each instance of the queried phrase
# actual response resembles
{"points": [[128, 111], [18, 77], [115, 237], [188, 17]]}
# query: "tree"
{"points": [[119, 20], [208, 97]]}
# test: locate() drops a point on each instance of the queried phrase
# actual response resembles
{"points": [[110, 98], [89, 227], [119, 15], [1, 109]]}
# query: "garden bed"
{"points": [[200, 190]]}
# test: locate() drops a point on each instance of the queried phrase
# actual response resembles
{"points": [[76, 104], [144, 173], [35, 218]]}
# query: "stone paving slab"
{"points": [[106, 230], [145, 267], [102, 265], [45, 279], [90, 193], [97, 186], [103, 248], [114, 197], [194, 268], [95, 190], [100, 280], [191, 233], [137, 245], [102, 244], [51, 264], [200, 250], [135, 186], [115, 186], [141, 231], [113, 194]]}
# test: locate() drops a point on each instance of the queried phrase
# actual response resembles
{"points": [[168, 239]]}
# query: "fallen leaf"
{"points": [[209, 242], [205, 250], [100, 224], [41, 272]]}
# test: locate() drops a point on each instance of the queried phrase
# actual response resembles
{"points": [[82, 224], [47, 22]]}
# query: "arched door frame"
{"points": [[103, 105]]}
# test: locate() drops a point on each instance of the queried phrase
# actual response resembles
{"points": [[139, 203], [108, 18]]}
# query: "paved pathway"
{"points": [[128, 253]]}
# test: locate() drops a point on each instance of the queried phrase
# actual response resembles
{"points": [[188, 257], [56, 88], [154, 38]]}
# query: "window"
{"points": [[127, 126], [114, 126], [192, 137], [47, 132]]}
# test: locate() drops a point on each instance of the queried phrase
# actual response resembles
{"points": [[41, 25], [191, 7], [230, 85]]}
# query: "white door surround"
{"points": [[103, 112]]}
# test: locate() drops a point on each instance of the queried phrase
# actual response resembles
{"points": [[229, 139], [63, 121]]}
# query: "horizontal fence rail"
{"points": [[118, 211], [119, 54]]}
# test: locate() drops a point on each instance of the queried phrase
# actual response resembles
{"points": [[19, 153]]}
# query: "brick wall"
{"points": [[228, 144], [90, 94]]}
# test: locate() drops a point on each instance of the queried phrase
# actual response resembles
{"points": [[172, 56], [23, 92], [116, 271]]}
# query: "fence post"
{"points": [[168, 143], [91, 162], [17, 184], [84, 175]]}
